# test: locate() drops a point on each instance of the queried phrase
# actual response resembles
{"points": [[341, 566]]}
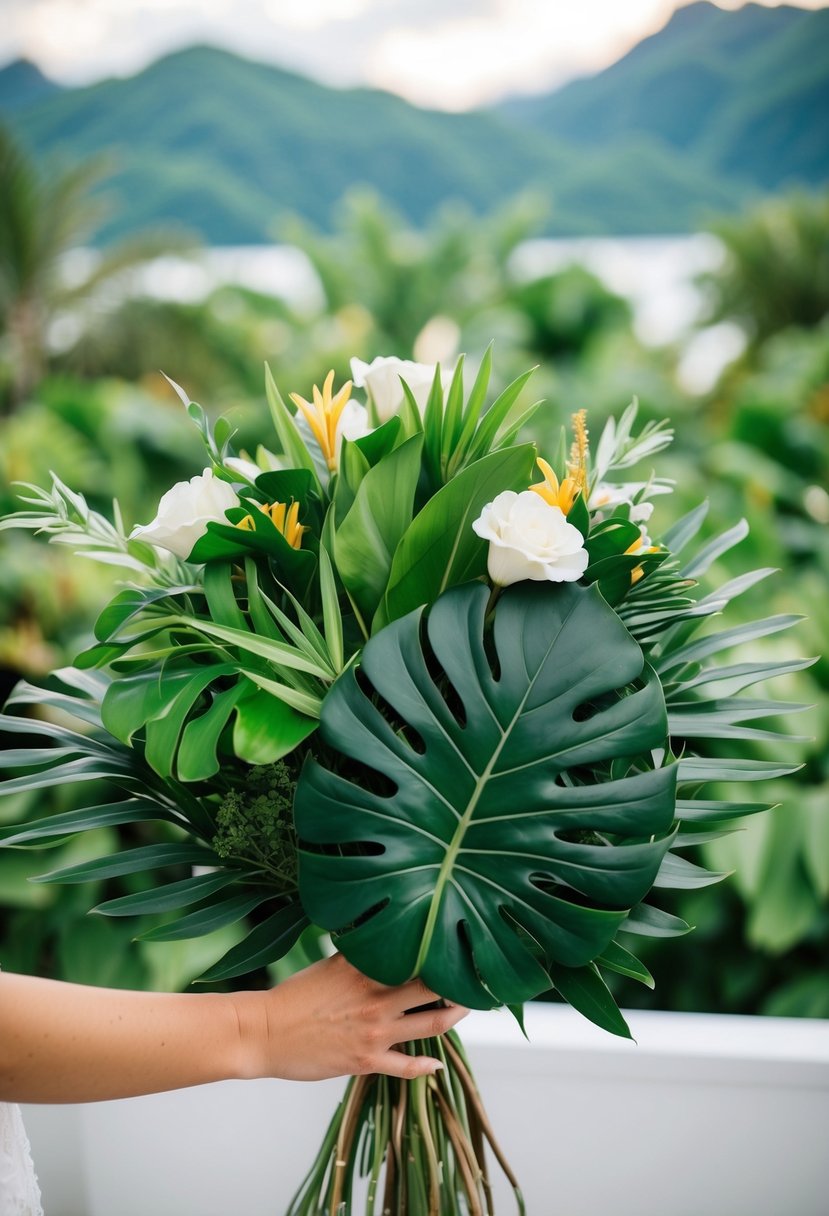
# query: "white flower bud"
{"points": [[381, 380]]}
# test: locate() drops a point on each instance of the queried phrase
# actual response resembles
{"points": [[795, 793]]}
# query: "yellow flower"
{"points": [[323, 414], [580, 450], [557, 494], [637, 546], [284, 519]]}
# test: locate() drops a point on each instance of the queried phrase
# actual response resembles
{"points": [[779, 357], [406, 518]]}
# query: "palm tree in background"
{"points": [[43, 215]]}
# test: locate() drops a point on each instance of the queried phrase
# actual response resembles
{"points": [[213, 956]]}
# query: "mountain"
{"points": [[745, 92], [675, 131], [22, 84]]}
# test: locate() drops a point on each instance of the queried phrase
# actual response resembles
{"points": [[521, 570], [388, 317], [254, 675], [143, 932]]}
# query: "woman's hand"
{"points": [[330, 1020]]}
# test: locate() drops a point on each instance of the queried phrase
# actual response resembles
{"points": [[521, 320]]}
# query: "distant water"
{"points": [[656, 274]]}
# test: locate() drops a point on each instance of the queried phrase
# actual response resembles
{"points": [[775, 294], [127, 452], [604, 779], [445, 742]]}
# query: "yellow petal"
{"points": [[311, 417]]}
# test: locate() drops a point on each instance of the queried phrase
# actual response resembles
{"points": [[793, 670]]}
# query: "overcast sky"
{"points": [[450, 54]]}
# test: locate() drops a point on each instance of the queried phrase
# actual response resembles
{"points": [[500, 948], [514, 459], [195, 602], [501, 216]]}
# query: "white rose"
{"points": [[530, 539], [381, 380], [185, 511]]}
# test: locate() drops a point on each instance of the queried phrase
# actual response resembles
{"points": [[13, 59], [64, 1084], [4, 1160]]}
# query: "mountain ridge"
{"points": [[226, 145]]}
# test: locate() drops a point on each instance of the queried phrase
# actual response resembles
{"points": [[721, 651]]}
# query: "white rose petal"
{"points": [[245, 468], [185, 511], [530, 539], [353, 424], [381, 380]]}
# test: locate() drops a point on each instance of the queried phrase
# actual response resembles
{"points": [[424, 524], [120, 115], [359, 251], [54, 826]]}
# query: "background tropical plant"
{"points": [[44, 214]]}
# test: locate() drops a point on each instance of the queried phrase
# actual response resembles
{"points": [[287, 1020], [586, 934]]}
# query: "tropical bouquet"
{"points": [[402, 678]]}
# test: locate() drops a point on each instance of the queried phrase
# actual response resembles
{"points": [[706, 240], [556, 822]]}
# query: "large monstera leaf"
{"points": [[498, 822]]}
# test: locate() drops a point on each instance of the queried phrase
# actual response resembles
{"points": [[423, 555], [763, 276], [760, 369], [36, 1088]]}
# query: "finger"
{"points": [[411, 994], [432, 1022], [397, 1064]]}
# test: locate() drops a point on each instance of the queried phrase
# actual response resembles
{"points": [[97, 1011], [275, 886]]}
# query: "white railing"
{"points": [[704, 1116]]}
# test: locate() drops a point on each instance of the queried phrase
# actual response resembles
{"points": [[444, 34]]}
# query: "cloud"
{"points": [[445, 53]]}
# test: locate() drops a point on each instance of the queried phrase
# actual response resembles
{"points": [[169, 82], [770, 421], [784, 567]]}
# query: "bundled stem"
{"points": [[416, 1147]]}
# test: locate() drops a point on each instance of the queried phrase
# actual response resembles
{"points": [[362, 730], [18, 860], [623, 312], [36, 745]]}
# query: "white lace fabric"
{"points": [[19, 1191]]}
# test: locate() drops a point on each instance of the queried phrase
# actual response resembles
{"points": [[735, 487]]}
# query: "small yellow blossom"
{"points": [[283, 517], [558, 494], [579, 452], [639, 546], [323, 415]]}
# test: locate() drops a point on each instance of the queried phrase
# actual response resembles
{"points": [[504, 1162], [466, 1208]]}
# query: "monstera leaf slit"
{"points": [[509, 839]]}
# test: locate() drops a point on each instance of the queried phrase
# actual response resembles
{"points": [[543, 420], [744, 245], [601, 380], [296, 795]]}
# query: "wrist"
{"points": [[250, 1055]]}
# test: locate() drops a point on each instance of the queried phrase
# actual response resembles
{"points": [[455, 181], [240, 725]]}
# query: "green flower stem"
{"points": [[346, 1141], [306, 1195], [460, 1067], [420, 1144], [468, 1169], [419, 1088]]}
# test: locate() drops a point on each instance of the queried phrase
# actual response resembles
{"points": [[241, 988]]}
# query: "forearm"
{"points": [[69, 1043]]}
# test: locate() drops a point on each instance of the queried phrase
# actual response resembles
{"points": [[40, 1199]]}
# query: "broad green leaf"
{"points": [[164, 731], [228, 542], [197, 756], [466, 849], [366, 539], [285, 485], [266, 729], [611, 539], [220, 596], [439, 549], [131, 701]]}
